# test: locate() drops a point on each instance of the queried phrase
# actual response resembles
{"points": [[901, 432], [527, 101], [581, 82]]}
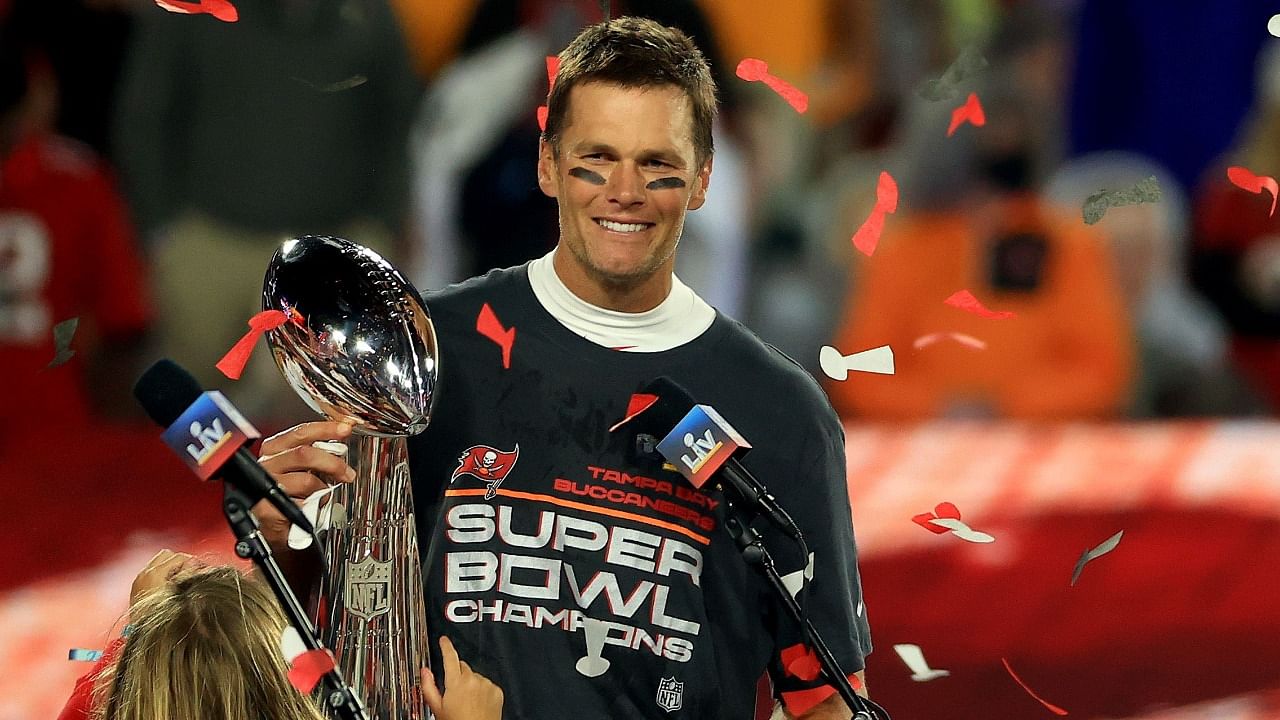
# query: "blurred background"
{"points": [[151, 162]]}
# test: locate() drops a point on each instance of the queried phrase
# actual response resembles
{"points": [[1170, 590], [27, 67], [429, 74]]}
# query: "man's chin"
{"points": [[621, 271], [620, 280]]}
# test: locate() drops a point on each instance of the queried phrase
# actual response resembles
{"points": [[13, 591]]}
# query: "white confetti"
{"points": [[913, 656], [291, 645], [963, 531], [1273, 25], [794, 581], [1090, 555], [320, 518], [925, 341], [333, 448], [836, 366]]}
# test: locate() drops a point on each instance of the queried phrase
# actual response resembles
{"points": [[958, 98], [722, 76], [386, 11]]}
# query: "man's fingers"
{"points": [[305, 434], [306, 457], [300, 485], [452, 666]]}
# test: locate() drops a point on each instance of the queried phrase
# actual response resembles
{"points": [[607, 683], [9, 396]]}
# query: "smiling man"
{"points": [[595, 582], [625, 167]]}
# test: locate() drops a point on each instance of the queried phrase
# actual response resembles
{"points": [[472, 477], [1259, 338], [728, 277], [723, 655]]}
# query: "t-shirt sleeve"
{"points": [[817, 499]]}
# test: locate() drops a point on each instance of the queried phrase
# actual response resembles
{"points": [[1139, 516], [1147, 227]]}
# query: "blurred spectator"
{"points": [[1066, 355], [805, 247], [433, 31], [1236, 262], [828, 49], [1182, 341], [66, 251], [83, 42], [234, 137], [477, 144]]}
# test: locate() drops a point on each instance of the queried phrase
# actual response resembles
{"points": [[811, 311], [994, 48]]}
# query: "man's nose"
{"points": [[626, 185]]}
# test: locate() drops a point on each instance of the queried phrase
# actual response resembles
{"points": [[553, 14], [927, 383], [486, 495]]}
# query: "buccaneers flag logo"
{"points": [[488, 464]]}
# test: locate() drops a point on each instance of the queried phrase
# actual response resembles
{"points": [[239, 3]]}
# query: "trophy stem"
{"points": [[371, 611]]}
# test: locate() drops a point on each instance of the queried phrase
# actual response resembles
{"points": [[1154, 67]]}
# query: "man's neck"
{"points": [[629, 298]]}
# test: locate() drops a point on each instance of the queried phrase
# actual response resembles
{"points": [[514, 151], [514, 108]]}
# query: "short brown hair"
{"points": [[634, 52]]}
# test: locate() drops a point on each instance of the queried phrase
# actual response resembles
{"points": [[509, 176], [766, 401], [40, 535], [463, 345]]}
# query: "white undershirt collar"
{"points": [[678, 319]]}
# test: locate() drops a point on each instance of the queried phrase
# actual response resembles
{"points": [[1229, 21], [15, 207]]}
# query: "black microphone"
{"points": [[703, 446], [168, 392]]}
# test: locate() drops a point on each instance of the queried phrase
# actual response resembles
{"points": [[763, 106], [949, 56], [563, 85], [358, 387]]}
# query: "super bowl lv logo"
{"points": [[210, 438], [486, 463]]}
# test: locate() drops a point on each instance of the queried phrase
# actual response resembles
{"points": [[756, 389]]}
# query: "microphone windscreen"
{"points": [[165, 390], [673, 403]]}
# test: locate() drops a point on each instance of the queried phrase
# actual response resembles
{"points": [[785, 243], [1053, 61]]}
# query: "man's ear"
{"points": [[700, 183], [547, 168]]}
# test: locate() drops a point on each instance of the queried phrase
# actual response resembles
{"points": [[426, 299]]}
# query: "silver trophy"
{"points": [[358, 345]]}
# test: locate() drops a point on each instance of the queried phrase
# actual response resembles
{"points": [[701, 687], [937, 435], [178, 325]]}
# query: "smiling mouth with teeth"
{"points": [[623, 227]]}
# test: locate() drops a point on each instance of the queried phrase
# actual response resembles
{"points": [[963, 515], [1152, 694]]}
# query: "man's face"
{"points": [[624, 177]]}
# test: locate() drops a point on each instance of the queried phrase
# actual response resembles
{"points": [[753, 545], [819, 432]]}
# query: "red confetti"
{"points": [[308, 668], [868, 236], [965, 300], [232, 364], [487, 325], [752, 70], [553, 67], [1056, 710], [971, 111], [639, 403], [799, 661], [941, 510], [1244, 179], [220, 9]]}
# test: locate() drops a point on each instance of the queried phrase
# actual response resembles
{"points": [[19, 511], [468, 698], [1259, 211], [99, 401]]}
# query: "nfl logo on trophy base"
{"points": [[368, 591]]}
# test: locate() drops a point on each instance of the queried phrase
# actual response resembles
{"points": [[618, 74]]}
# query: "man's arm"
{"points": [[834, 708]]}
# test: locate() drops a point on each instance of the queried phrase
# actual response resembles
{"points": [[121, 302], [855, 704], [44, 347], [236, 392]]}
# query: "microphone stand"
{"points": [[250, 544], [738, 520]]}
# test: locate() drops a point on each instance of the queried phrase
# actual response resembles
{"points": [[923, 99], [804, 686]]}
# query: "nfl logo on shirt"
{"points": [[669, 694]]}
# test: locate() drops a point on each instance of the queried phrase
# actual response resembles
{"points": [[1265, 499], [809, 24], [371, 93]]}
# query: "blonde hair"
{"points": [[206, 645]]}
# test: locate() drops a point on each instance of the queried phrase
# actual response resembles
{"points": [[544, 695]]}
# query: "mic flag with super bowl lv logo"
{"points": [[700, 444], [208, 433], [488, 464]]}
